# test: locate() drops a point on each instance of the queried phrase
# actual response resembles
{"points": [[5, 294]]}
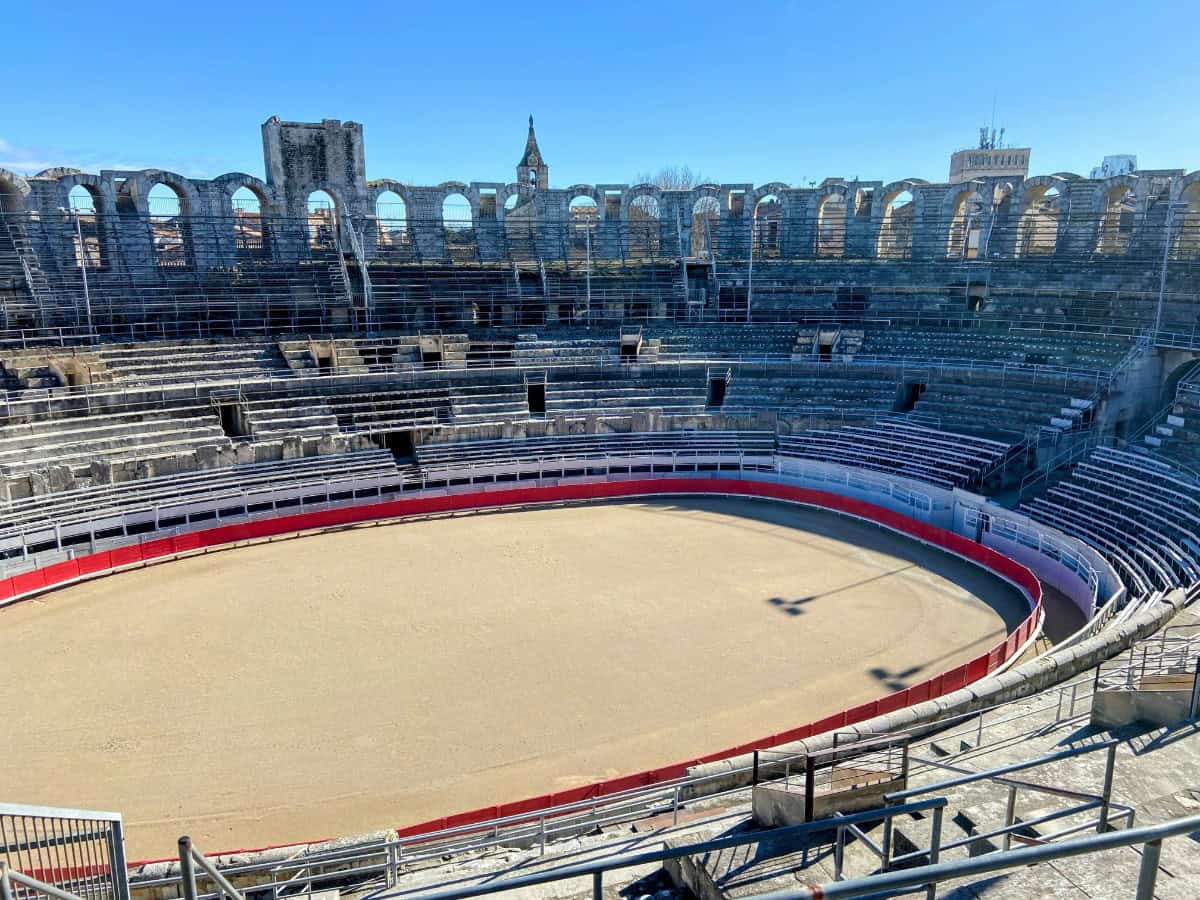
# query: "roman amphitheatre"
{"points": [[698, 541]]}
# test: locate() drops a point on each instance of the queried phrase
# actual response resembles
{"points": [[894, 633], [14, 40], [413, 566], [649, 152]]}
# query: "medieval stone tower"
{"points": [[532, 172]]}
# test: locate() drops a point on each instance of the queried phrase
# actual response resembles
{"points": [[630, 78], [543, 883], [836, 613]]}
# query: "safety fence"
{"points": [[78, 851], [162, 549]]}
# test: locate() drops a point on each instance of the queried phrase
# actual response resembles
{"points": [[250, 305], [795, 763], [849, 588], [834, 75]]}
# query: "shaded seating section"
{"points": [[1027, 348], [902, 448], [572, 454], [987, 403], [134, 507], [613, 392], [805, 387], [382, 406], [1177, 433], [1142, 513]]}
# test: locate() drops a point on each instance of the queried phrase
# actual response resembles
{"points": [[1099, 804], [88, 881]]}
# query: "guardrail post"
{"points": [[187, 869], [1194, 706], [754, 771], [839, 850], [1148, 873], [116, 860], [5, 885], [597, 885], [935, 849], [1010, 815], [1110, 762]]}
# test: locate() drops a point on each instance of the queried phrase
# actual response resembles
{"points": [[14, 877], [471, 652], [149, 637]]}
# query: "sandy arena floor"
{"points": [[381, 676]]}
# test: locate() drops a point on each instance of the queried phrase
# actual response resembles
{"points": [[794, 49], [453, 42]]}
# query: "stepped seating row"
{"points": [[1012, 407], [96, 513], [312, 412], [1045, 349], [699, 448], [75, 442], [1140, 512], [1177, 435], [160, 361], [901, 448], [818, 387]]}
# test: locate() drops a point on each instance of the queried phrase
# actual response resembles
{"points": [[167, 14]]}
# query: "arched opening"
{"points": [[706, 217], [583, 214], [1037, 231], [86, 236], [1187, 227], [247, 221], [391, 216], [1116, 224], [11, 201], [896, 229], [322, 221], [643, 226], [512, 202], [768, 224], [831, 226], [458, 229], [962, 240], [167, 225]]}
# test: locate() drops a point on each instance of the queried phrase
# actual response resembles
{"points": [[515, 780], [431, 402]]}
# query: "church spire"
{"points": [[532, 171]]}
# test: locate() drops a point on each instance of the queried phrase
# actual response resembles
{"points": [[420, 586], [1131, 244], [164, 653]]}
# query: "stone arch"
{"points": [[705, 221], [390, 210], [13, 192], [1117, 208], [323, 214], [99, 190], [767, 220], [643, 214], [1186, 193], [190, 203], [85, 202], [778, 188], [584, 209], [963, 211], [1041, 204], [169, 208], [896, 212], [831, 211], [457, 217], [229, 184]]}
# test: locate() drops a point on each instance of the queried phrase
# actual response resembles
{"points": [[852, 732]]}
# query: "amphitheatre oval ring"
{"points": [[366, 678]]}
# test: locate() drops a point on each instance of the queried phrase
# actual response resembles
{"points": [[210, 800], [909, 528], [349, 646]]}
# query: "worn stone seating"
{"points": [[901, 448], [696, 449], [95, 513], [74, 442], [1140, 511], [155, 361]]}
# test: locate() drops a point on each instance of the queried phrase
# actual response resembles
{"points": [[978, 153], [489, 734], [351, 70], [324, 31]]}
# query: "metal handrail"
{"points": [[8, 876], [189, 857], [887, 883], [598, 868]]}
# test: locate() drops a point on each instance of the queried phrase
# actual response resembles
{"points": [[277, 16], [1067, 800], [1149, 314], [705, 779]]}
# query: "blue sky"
{"points": [[741, 91]]}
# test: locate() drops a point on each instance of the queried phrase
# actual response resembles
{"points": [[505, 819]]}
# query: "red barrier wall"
{"points": [[165, 548]]}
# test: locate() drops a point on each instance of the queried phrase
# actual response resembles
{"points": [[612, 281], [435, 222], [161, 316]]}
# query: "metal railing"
{"points": [[189, 858], [79, 852], [1149, 838]]}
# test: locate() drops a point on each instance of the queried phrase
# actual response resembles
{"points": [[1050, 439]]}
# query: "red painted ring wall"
{"points": [[30, 583]]}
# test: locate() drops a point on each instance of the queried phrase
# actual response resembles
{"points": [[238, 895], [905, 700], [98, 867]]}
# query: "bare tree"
{"points": [[672, 178]]}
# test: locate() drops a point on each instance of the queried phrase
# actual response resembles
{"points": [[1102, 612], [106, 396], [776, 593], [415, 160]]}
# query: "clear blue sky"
{"points": [[742, 91]]}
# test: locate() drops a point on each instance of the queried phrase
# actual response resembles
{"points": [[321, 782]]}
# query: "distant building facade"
{"points": [[989, 160], [1117, 164]]}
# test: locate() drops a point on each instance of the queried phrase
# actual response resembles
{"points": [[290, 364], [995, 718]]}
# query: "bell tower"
{"points": [[532, 172]]}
